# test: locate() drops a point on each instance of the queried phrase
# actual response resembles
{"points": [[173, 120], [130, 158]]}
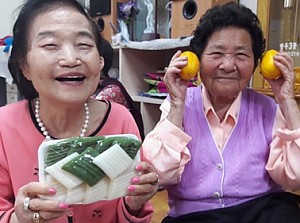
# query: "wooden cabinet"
{"points": [[132, 63], [280, 22], [186, 15]]}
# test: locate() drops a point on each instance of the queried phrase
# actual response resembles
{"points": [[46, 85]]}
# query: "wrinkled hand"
{"points": [[283, 87], [143, 187], [175, 85], [47, 209]]}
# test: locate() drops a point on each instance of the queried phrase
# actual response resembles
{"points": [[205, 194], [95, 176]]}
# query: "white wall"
{"points": [[252, 4], [8, 12]]}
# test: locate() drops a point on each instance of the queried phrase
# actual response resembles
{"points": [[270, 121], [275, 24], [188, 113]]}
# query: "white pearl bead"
{"points": [[43, 128]]}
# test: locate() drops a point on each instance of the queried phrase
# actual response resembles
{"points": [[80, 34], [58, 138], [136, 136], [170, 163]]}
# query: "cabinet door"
{"points": [[280, 21]]}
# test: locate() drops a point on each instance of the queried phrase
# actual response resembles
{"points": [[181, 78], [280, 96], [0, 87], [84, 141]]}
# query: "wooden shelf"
{"points": [[149, 100], [132, 64]]}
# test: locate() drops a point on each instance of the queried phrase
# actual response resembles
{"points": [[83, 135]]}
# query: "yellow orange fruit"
{"points": [[192, 68], [267, 67]]}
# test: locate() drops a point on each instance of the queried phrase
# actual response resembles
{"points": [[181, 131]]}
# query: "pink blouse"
{"points": [[19, 143]]}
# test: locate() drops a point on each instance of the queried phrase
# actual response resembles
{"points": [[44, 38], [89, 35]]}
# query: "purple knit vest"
{"points": [[214, 179]]}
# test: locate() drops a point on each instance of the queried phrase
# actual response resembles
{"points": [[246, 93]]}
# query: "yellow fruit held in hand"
{"points": [[192, 68], [267, 67]]}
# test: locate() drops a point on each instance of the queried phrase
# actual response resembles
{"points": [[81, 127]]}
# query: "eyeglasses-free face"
{"points": [[62, 59]]}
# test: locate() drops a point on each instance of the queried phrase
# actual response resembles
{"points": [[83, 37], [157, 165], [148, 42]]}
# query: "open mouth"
{"points": [[70, 79]]}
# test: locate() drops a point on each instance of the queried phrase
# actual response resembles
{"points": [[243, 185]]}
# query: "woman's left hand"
{"points": [[283, 87], [143, 187]]}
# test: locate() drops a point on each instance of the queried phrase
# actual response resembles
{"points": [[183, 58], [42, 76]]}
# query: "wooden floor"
{"points": [[160, 204]]}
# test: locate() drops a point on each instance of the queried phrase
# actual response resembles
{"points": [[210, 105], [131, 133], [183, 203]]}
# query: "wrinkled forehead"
{"points": [[60, 10], [61, 19]]}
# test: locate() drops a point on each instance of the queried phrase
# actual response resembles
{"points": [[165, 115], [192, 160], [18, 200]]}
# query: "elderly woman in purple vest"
{"points": [[223, 152]]}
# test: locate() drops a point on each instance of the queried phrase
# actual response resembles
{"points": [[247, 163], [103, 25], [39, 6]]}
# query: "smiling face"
{"points": [[62, 62], [227, 62]]}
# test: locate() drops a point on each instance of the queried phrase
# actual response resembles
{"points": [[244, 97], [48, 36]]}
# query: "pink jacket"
{"points": [[19, 142]]}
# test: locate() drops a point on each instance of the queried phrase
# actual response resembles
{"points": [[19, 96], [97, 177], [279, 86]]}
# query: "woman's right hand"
{"points": [[175, 85], [176, 88], [47, 209]]}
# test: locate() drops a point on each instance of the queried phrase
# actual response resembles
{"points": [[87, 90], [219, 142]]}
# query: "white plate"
{"points": [[113, 190]]}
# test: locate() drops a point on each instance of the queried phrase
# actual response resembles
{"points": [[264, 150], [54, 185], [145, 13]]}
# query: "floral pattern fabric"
{"points": [[112, 93]]}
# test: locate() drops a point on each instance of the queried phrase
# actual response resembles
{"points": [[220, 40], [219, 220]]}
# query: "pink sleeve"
{"points": [[143, 217], [165, 149], [284, 159], [5, 215]]}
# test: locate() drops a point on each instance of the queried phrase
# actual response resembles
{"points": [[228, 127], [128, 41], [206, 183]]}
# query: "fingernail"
{"points": [[135, 180], [52, 190], [63, 205], [131, 188], [138, 167]]}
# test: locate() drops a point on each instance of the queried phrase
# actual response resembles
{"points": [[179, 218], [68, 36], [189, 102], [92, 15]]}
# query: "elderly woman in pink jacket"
{"points": [[56, 63], [224, 152]]}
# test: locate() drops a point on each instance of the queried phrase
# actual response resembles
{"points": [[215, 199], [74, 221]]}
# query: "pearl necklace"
{"points": [[43, 128]]}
